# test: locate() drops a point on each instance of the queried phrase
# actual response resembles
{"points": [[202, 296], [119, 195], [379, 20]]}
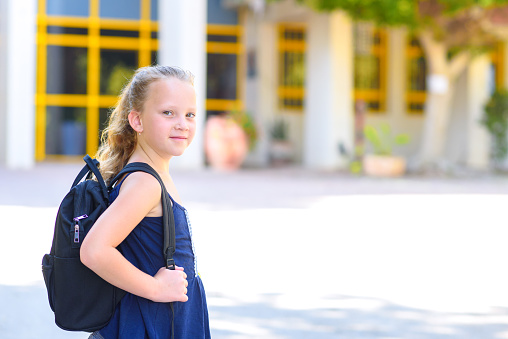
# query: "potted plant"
{"points": [[281, 148], [495, 119], [382, 162], [228, 139]]}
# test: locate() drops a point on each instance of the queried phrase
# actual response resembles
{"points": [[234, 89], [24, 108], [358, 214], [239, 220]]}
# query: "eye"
{"points": [[191, 115], [168, 113]]}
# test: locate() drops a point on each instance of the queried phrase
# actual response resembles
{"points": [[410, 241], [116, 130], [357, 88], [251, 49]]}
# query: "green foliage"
{"points": [[382, 139], [383, 12], [119, 76], [495, 119], [248, 124], [355, 167], [279, 130], [398, 12]]}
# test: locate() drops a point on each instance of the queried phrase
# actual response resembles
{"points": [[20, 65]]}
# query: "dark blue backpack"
{"points": [[80, 299]]}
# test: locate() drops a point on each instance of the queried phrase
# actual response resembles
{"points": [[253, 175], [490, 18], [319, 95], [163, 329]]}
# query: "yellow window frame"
{"points": [[94, 42], [297, 48], [213, 47], [497, 58], [379, 51], [413, 97]]}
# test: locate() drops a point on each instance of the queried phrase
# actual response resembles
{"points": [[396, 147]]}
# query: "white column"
{"points": [[18, 49], [328, 92], [266, 86], [182, 43], [477, 96]]}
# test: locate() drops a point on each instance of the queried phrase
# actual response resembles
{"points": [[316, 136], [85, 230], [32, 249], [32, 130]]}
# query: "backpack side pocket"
{"points": [[47, 272]]}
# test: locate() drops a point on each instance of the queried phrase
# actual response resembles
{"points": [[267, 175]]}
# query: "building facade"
{"points": [[62, 65]]}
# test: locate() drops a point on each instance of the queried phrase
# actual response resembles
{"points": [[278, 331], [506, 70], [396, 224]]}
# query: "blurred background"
{"points": [[348, 175]]}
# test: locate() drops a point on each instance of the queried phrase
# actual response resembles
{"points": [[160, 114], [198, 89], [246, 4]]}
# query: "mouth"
{"points": [[178, 138]]}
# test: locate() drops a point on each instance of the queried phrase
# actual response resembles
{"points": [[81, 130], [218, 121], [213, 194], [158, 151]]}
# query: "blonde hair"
{"points": [[119, 140]]}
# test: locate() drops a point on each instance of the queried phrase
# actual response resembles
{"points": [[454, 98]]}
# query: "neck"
{"points": [[144, 154]]}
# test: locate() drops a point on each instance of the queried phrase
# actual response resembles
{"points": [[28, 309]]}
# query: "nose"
{"points": [[182, 124]]}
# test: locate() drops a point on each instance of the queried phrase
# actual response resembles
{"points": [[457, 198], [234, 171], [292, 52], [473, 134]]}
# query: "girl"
{"points": [[154, 121]]}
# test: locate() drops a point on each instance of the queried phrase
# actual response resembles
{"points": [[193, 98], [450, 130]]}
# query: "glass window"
{"points": [[221, 78], [293, 73], [66, 130], [417, 72], [217, 14], [291, 67], [116, 68], [68, 8], [154, 58], [370, 66], [103, 120], [67, 30], [222, 38], [154, 10], [416, 77], [67, 68], [126, 9], [120, 33]]}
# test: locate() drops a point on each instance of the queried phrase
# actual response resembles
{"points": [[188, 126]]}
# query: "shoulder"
{"points": [[141, 185]]}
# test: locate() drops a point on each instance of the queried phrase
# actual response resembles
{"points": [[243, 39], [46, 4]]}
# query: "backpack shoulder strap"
{"points": [[167, 211]]}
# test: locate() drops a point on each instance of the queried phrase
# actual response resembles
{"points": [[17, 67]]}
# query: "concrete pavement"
{"points": [[290, 253]]}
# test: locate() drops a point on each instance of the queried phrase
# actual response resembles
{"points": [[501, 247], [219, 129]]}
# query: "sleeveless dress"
{"points": [[139, 318]]}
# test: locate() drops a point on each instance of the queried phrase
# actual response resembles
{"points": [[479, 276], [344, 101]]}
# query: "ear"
{"points": [[135, 121]]}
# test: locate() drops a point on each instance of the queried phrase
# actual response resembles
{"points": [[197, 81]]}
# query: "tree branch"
{"points": [[458, 63], [435, 52]]}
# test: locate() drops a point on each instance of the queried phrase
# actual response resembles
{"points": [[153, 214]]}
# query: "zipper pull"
{"points": [[76, 227], [76, 233]]}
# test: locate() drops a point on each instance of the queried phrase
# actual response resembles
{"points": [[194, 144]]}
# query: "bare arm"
{"points": [[139, 196]]}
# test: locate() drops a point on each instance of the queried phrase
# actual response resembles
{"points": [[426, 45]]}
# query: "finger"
{"points": [[184, 298], [184, 275], [186, 283], [178, 268]]}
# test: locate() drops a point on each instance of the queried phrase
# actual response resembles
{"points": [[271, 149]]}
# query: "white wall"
{"points": [[328, 120], [182, 43], [3, 77], [258, 88], [477, 95], [18, 49]]}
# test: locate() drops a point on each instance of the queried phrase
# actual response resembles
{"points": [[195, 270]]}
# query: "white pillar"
{"points": [[182, 43], [477, 96], [17, 77], [328, 92], [266, 86]]}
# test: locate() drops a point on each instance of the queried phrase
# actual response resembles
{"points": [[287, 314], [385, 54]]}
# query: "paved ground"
{"points": [[289, 253]]}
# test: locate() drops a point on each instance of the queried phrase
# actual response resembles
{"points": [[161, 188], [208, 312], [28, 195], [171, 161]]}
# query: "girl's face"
{"points": [[168, 119]]}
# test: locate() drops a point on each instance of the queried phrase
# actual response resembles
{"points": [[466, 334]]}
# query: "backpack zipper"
{"points": [[76, 227]]}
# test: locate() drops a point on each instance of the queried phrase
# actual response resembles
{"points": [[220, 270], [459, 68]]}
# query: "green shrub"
{"points": [[495, 119], [382, 139]]}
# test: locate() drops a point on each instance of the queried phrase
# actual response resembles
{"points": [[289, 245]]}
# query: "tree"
{"points": [[451, 33]]}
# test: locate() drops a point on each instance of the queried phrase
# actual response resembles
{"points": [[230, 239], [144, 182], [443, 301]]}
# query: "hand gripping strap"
{"points": [[168, 218]]}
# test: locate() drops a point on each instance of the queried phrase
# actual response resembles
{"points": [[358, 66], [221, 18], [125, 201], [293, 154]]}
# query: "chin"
{"points": [[177, 153]]}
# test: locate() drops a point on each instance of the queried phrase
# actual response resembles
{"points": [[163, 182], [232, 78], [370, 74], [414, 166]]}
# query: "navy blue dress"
{"points": [[140, 318]]}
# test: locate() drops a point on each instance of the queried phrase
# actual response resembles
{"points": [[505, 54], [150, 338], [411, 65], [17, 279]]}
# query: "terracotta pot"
{"points": [[226, 144], [384, 165]]}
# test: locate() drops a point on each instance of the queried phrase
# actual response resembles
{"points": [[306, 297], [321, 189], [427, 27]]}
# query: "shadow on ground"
{"points": [[277, 316]]}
